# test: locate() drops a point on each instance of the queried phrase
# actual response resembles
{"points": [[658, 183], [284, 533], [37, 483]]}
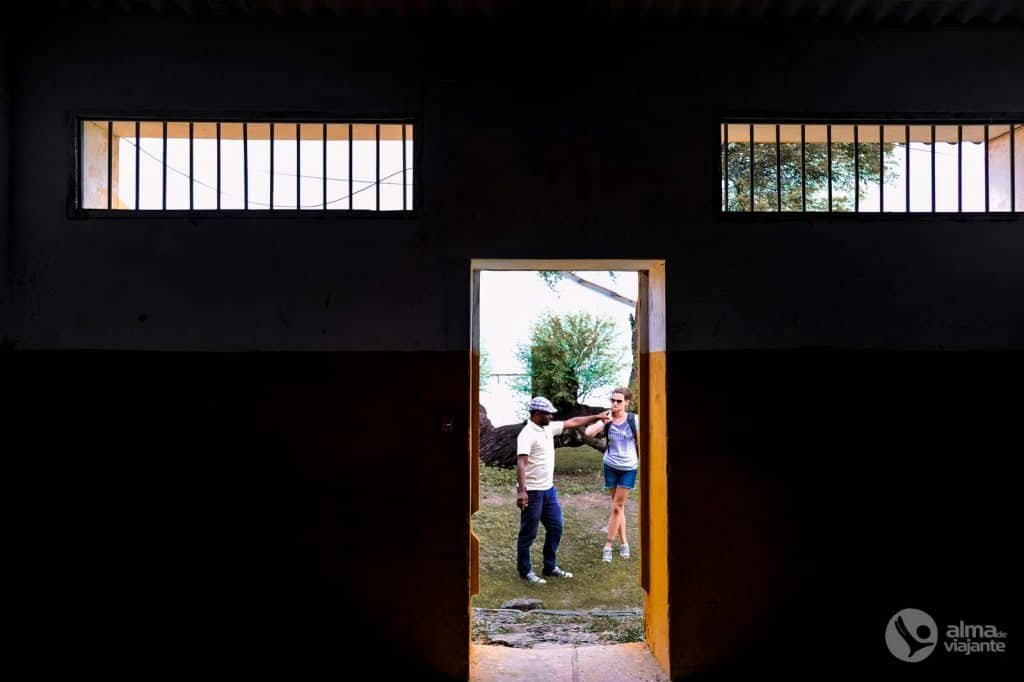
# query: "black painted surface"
{"points": [[174, 512], [814, 494], [216, 490]]}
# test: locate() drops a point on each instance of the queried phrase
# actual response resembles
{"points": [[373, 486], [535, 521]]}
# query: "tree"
{"points": [[568, 357], [484, 367], [553, 277], [816, 162], [634, 404]]}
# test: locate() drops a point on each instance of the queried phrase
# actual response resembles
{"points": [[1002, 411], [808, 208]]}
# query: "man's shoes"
{"points": [[559, 573], [534, 579], [606, 555], [624, 551]]}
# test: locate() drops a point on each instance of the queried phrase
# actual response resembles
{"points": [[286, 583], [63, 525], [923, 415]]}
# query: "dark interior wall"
{"points": [[261, 510], [6, 311], [286, 514], [816, 493], [182, 511], [628, 140], [214, 284], [522, 151]]}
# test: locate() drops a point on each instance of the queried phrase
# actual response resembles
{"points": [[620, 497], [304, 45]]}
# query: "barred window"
{"points": [[147, 165], [872, 167]]}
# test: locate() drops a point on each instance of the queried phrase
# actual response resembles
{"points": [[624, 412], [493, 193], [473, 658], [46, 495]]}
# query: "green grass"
{"points": [[585, 508], [615, 630]]}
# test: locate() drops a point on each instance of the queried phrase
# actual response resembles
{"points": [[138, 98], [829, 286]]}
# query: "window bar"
{"points": [[751, 167], [164, 169], [1013, 171], [271, 166], [959, 169], [218, 165], [324, 134], [906, 142], [110, 164], [350, 183], [856, 168], [245, 166], [404, 164], [377, 185], [137, 155], [298, 166], [881, 168], [933, 168], [191, 167], [725, 165], [986, 168], [778, 168], [80, 153], [828, 169], [803, 167]]}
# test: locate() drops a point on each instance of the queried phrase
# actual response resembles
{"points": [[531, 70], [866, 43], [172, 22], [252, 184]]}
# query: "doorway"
{"points": [[652, 480]]}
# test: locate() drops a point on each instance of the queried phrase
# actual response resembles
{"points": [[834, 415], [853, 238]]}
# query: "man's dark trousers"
{"points": [[543, 508]]}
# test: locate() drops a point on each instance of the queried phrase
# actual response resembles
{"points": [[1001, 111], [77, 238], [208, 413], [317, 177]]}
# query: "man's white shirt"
{"points": [[538, 442]]}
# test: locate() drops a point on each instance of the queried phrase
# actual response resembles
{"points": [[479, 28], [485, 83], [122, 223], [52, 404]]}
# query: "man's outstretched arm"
{"points": [[577, 422]]}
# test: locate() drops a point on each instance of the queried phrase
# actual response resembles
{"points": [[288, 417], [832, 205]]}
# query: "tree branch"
{"points": [[614, 295]]}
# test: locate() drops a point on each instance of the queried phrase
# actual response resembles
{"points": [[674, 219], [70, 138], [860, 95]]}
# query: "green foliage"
{"points": [[816, 162], [568, 357], [485, 366], [551, 278], [629, 632], [634, 404]]}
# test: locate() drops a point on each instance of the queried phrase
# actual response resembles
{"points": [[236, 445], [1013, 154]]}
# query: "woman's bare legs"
{"points": [[620, 499], [617, 520]]}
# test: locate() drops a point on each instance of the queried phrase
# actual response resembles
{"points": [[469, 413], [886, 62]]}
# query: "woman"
{"points": [[621, 459]]}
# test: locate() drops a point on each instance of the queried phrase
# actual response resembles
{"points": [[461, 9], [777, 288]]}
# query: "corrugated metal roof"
{"points": [[919, 12]]}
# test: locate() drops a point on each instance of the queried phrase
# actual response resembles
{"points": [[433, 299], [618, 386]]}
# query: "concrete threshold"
{"points": [[613, 662]]}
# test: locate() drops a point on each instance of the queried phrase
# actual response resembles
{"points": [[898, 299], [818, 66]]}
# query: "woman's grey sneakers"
{"points": [[559, 573], [606, 553], [534, 579]]}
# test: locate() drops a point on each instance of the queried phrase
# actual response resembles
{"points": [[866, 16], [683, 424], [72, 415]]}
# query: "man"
{"points": [[536, 495]]}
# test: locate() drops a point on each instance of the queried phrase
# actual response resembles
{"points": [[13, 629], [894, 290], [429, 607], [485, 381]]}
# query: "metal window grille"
{"points": [[864, 166], [112, 165]]}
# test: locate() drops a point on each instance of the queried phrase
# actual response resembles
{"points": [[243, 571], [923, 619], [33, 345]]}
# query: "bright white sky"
{"points": [[945, 180], [511, 301], [364, 172]]}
